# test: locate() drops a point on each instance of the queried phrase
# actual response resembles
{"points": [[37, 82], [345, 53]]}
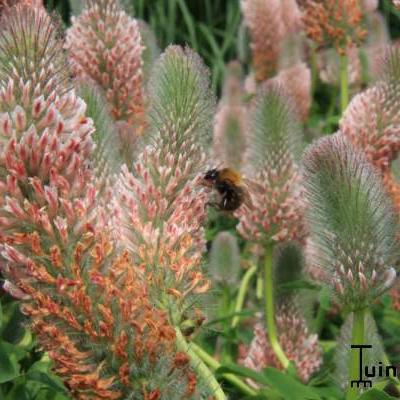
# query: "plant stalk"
{"points": [[344, 83], [357, 338], [242, 293], [198, 365], [269, 309], [214, 365]]}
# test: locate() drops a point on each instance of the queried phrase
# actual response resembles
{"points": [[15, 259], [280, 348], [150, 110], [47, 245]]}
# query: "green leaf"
{"points": [[286, 386], [18, 392], [375, 394], [9, 367], [45, 379]]}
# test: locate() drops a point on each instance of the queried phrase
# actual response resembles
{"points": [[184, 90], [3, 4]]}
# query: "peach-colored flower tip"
{"points": [[104, 45], [334, 23], [297, 343], [295, 81], [264, 21], [396, 4], [372, 123]]}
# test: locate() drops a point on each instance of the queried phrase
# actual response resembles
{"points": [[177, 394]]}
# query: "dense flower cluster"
{"points": [[353, 227], [160, 203], [334, 23], [269, 22], [89, 303], [276, 208], [298, 344], [104, 46]]}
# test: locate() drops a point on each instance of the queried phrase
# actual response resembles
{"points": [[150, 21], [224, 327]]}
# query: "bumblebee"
{"points": [[229, 186]]}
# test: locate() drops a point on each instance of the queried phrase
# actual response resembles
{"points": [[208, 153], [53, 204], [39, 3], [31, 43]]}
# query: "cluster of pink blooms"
{"points": [[276, 209], [83, 291], [160, 203], [372, 123], [299, 345], [275, 28], [105, 47]]}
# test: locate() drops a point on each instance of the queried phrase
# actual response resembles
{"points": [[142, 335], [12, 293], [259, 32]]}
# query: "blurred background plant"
{"points": [[273, 82]]}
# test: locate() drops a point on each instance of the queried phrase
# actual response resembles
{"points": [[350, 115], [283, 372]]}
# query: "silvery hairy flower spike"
{"points": [[351, 222], [271, 166], [160, 203]]}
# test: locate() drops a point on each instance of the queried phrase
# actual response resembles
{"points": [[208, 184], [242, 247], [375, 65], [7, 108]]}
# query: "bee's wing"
{"points": [[249, 187]]}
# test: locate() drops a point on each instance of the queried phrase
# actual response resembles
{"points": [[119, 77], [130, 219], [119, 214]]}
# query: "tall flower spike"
{"points": [[273, 147], [372, 120], [295, 81], [163, 207], [264, 21], [89, 306], [335, 23], [351, 220], [104, 46], [299, 345], [229, 140]]}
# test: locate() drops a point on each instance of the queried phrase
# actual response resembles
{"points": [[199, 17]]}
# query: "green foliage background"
{"points": [[213, 29]]}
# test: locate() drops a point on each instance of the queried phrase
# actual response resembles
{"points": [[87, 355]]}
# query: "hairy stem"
{"points": [[198, 365], [244, 285], [214, 365], [356, 338], [344, 83], [270, 311]]}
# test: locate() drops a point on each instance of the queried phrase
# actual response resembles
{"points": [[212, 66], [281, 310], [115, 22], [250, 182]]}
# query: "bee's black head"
{"points": [[211, 175]]}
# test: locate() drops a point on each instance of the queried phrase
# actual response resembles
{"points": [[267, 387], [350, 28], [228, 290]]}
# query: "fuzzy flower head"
{"points": [[397, 4], [351, 220], [335, 23], [269, 22], [372, 120], [272, 171], [162, 205], [104, 46], [45, 138], [299, 345], [295, 82]]}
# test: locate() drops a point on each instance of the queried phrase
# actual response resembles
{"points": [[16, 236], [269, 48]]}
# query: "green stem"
{"points": [[357, 338], [242, 293], [198, 365], [259, 287], [214, 365], [269, 309], [344, 83]]}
